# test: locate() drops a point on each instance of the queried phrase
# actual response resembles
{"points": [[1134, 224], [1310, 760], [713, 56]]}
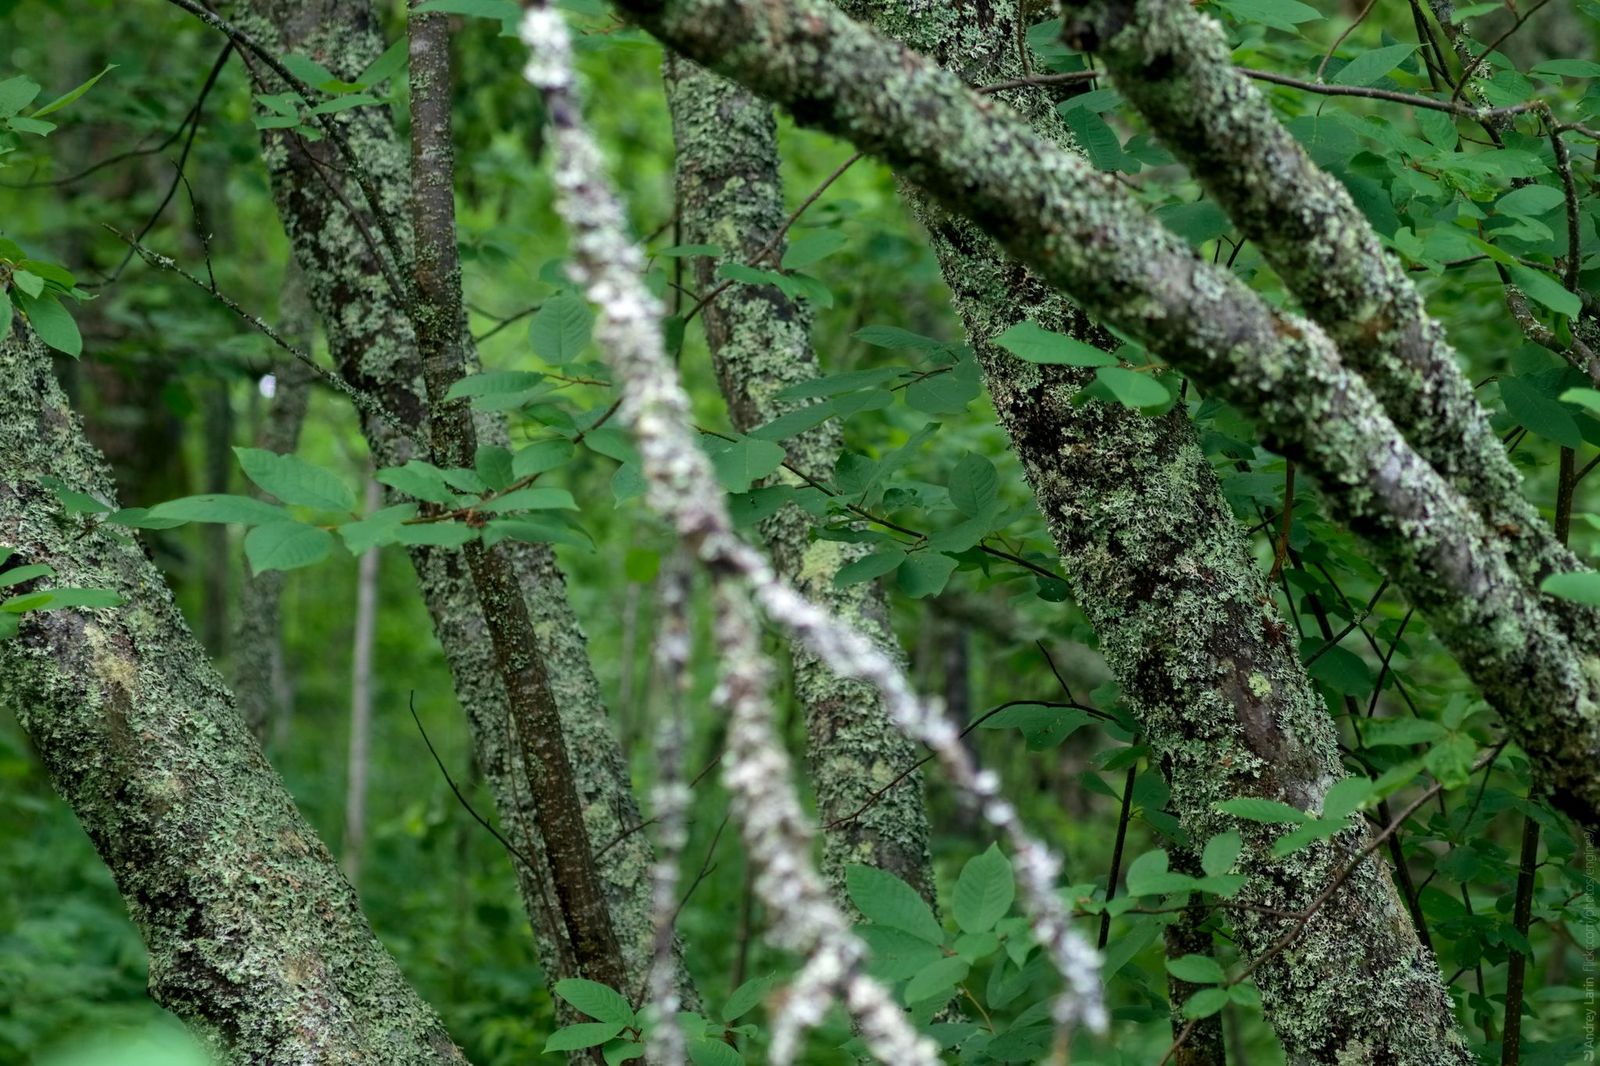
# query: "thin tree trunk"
{"points": [[370, 336], [730, 194], [355, 796], [255, 939], [260, 677], [1189, 934], [1152, 550], [215, 564], [440, 322]]}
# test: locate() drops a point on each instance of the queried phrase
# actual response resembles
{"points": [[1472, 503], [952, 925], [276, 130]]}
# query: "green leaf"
{"points": [[813, 248], [1131, 388], [897, 955], [1097, 139], [542, 528], [974, 485], [1401, 732], [5, 315], [938, 979], [17, 93], [895, 339], [1305, 835], [1587, 398], [492, 464], [17, 575], [422, 480], [709, 1051], [1547, 290], [584, 1034], [1205, 1003], [795, 422], [1148, 876], [541, 456], [1542, 415], [925, 573], [745, 998], [1530, 200], [217, 507], [619, 1051], [948, 392], [1197, 970], [888, 901], [872, 566], [497, 389], [535, 498], [560, 330], [293, 480], [745, 462], [1041, 726], [72, 94], [1279, 14], [55, 599], [1257, 809], [391, 62], [1582, 587], [286, 546], [1566, 68], [1346, 797], [596, 1000], [984, 891], [52, 322], [1373, 64], [1028, 340], [1220, 853], [380, 527]]}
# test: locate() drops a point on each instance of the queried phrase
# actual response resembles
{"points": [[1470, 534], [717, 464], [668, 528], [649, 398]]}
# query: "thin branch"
{"points": [[363, 400], [1348, 30]]}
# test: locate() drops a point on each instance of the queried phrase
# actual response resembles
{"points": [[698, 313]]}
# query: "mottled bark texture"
{"points": [[1174, 65], [260, 679], [335, 240], [1087, 235], [1157, 561], [255, 939], [730, 195], [440, 323]]}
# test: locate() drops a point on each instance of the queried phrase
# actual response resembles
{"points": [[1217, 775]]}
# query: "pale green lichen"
{"points": [[255, 939], [730, 195]]}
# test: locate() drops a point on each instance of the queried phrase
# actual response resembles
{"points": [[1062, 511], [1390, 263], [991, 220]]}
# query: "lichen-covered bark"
{"points": [[260, 683], [1185, 620], [1174, 65], [440, 322], [1088, 236], [255, 939], [371, 339], [730, 195]]}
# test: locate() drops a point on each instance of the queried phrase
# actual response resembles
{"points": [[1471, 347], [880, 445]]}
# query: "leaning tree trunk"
{"points": [[730, 195], [255, 939], [337, 242], [1154, 556]]}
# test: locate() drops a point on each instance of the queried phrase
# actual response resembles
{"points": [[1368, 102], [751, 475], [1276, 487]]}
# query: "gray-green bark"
{"points": [[730, 195], [1086, 235], [255, 939], [1158, 563], [370, 337], [1174, 65], [260, 680]]}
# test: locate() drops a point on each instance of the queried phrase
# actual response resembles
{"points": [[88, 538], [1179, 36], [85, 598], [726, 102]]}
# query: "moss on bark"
{"points": [[255, 939]]}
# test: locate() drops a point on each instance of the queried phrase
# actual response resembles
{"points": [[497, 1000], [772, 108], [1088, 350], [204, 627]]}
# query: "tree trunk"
{"points": [[255, 940], [355, 790], [730, 195], [1156, 561], [370, 336]]}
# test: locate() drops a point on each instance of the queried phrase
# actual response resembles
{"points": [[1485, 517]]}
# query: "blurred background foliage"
{"points": [[169, 378]]}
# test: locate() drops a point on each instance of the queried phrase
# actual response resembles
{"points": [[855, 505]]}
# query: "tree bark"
{"points": [[255, 940], [440, 322], [730, 195], [1161, 568], [371, 339]]}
